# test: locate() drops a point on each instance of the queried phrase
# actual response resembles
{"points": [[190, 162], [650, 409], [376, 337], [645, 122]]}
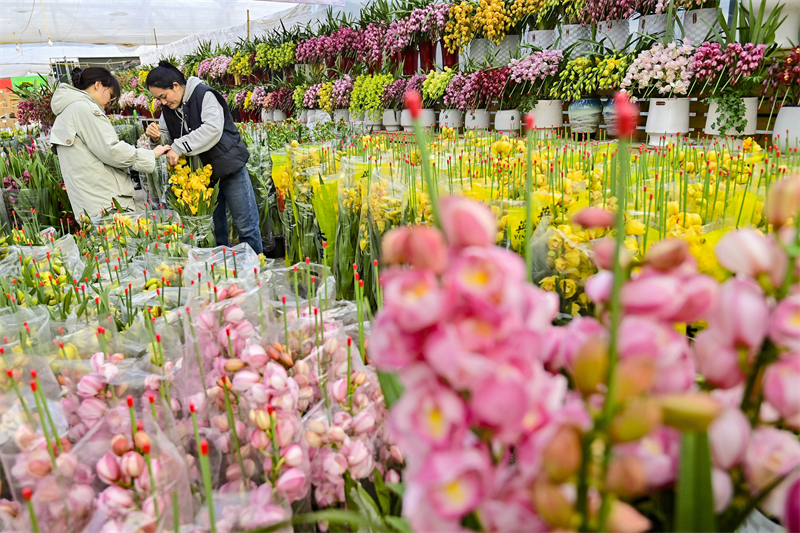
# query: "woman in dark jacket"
{"points": [[195, 120]]}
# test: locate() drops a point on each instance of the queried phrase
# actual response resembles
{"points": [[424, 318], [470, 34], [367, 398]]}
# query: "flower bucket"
{"points": [[571, 34], [395, 59], [544, 39], [372, 121], [391, 120], [614, 33], [278, 115], [787, 127], [750, 114], [448, 59], [451, 118], [667, 117], [427, 57], [341, 115], [303, 117], [410, 61], [354, 119], [584, 115], [427, 118], [548, 114], [507, 121], [698, 24], [507, 48], [476, 119], [653, 24], [610, 117], [266, 115], [480, 49]]}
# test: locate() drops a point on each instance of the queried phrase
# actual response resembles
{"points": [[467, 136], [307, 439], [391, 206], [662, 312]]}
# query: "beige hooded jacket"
{"points": [[93, 159]]}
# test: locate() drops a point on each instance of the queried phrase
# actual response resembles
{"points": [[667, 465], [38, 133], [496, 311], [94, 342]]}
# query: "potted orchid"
{"points": [[433, 90], [611, 18], [664, 74], [578, 83], [404, 32], [392, 100], [427, 114], [340, 98], [366, 101], [535, 75], [784, 85]]}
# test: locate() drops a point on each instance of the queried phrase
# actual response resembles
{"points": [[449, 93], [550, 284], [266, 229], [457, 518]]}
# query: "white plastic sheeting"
{"points": [[128, 22]]}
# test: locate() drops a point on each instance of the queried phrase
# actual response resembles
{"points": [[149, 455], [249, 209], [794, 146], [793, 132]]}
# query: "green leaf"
{"points": [[384, 497], [338, 516], [391, 387], [694, 506], [398, 524], [349, 485], [397, 488]]}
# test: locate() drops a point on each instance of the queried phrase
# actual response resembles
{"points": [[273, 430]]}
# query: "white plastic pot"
{"points": [[391, 120], [667, 117], [614, 33], [303, 118], [653, 24], [548, 114], [373, 121], [427, 118], [476, 119], [698, 24], [266, 115], [451, 118], [543, 39], [571, 34], [787, 127], [341, 114], [507, 121], [278, 115], [750, 114], [507, 48]]}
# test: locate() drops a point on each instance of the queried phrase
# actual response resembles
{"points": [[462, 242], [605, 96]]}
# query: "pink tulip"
{"points": [[783, 203], [771, 453], [244, 379], [699, 295], [422, 247], [108, 468], [207, 321], [91, 385], [655, 296], [599, 286], [728, 435], [80, 499], [339, 390], [744, 252], [667, 254], [454, 481], [784, 323], [604, 254], [594, 217], [716, 361], [259, 439], [245, 330], [293, 483], [363, 422], [131, 464], [255, 356], [467, 222], [233, 314], [782, 385], [292, 456], [791, 513], [722, 486], [114, 501], [96, 361], [413, 298], [741, 313]]}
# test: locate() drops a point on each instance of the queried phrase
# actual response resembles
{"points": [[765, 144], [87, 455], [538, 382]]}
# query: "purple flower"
{"points": [[392, 97], [340, 93], [536, 66]]}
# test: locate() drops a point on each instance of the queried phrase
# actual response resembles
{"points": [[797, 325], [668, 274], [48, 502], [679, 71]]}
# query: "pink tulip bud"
{"points": [[594, 217], [131, 464], [467, 222], [667, 254], [363, 422], [91, 385], [783, 201], [108, 469], [114, 501], [120, 444], [291, 482], [244, 379], [339, 390], [604, 254], [255, 356], [245, 329], [293, 456]]}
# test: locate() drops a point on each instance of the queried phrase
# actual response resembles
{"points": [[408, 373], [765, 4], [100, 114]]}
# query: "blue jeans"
{"points": [[236, 192]]}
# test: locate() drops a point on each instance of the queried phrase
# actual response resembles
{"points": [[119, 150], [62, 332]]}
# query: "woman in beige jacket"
{"points": [[93, 159]]}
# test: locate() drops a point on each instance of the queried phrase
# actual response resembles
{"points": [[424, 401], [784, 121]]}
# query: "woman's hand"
{"points": [[172, 157], [160, 150], [153, 131]]}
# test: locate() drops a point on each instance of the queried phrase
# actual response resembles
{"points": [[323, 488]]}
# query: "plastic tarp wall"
{"points": [[301, 15]]}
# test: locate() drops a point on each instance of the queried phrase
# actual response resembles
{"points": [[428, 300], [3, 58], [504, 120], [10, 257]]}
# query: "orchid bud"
{"points": [[232, 365], [131, 464], [552, 506], [313, 439], [636, 420], [562, 455], [667, 254], [141, 439], [120, 444], [107, 469], [590, 365], [293, 455], [690, 411], [626, 477]]}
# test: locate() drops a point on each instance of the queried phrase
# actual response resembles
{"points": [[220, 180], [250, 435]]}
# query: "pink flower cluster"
{"points": [[737, 61], [204, 67], [282, 99], [340, 93], [436, 16], [240, 97], [373, 39], [310, 97], [596, 11], [536, 66], [666, 69], [257, 98], [462, 92], [213, 68], [492, 82], [392, 97]]}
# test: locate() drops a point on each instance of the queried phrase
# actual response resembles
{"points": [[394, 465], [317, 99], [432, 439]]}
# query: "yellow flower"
{"points": [[568, 288], [548, 284]]}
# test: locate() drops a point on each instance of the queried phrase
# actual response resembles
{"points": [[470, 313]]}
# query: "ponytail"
{"points": [[165, 76]]}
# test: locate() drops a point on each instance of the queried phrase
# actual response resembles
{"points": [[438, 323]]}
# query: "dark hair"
{"points": [[164, 76], [83, 78]]}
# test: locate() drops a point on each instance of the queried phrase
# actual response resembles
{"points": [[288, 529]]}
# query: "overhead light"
{"points": [[49, 42]]}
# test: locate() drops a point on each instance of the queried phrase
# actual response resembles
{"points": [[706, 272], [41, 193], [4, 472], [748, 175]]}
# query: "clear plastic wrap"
{"points": [[222, 262]]}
